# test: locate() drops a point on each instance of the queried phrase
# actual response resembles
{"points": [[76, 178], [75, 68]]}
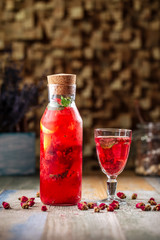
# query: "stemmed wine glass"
{"points": [[112, 147]]}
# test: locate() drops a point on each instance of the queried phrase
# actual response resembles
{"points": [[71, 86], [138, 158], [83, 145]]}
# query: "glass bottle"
{"points": [[61, 144]]}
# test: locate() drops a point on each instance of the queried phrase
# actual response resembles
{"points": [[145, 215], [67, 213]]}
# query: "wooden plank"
{"points": [[126, 223], [79, 225], [31, 182], [136, 223], [1, 191], [5, 195], [127, 181], [76, 224], [154, 182], [69, 223], [31, 228], [18, 223], [130, 181], [19, 182], [5, 182]]}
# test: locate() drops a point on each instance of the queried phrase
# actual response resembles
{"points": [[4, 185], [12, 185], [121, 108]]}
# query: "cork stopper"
{"points": [[62, 78], [62, 84]]}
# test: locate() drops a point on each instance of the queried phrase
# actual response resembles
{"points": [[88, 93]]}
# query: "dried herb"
{"points": [[16, 102], [59, 176]]}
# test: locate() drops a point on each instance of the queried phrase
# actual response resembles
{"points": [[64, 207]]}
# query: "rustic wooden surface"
{"points": [[69, 223]]}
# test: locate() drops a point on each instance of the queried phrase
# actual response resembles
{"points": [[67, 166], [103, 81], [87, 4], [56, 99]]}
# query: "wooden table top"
{"points": [[69, 223]]}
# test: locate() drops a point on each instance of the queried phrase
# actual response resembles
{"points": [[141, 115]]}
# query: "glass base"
{"points": [[107, 201]]}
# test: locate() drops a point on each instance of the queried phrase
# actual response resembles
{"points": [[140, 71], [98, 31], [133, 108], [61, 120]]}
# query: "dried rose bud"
{"points": [[85, 207], [37, 194], [157, 208], [114, 201], [79, 205], [151, 199], [142, 208], [114, 205], [91, 205], [31, 203], [44, 208], [24, 205], [6, 205], [96, 209], [134, 196], [153, 202], [84, 203], [110, 208], [139, 205], [102, 206], [23, 199], [121, 195], [82, 206], [31, 199], [146, 208]]}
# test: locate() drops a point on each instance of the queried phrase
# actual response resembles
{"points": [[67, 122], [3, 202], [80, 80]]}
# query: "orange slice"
{"points": [[47, 141], [47, 138], [46, 130]]}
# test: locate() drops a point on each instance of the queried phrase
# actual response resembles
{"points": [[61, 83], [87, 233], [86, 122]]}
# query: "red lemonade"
{"points": [[61, 153], [112, 153]]}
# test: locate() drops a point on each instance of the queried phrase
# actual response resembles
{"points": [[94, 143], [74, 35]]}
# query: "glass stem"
{"points": [[111, 187]]}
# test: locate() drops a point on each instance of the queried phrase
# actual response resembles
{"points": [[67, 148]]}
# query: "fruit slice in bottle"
{"points": [[46, 130], [47, 135]]}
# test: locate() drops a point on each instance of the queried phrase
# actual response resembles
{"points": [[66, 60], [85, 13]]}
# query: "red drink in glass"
{"points": [[112, 153], [60, 154], [112, 145]]}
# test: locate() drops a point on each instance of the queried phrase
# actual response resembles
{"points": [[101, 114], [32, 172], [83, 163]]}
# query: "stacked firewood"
{"points": [[112, 46]]}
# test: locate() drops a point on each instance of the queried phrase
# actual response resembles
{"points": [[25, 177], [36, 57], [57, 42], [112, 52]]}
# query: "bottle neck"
{"points": [[57, 92]]}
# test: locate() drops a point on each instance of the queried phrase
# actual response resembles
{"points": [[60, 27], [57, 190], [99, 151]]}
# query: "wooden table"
{"points": [[127, 223]]}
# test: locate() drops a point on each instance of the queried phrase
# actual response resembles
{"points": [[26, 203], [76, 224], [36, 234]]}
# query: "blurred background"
{"points": [[112, 45]]}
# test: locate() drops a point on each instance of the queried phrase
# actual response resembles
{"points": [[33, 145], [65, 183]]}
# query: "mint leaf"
{"points": [[65, 102]]}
